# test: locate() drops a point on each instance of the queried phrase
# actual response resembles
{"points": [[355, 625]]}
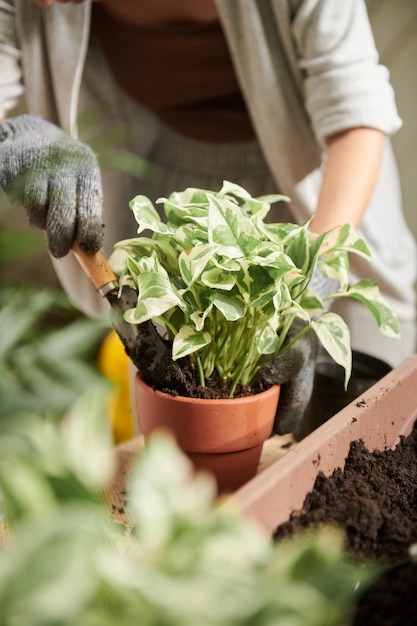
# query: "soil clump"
{"points": [[374, 501]]}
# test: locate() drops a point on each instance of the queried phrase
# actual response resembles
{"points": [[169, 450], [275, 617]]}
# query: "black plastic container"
{"points": [[329, 395]]}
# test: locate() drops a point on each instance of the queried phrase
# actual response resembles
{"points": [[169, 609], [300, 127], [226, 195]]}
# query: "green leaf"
{"points": [[146, 215], [162, 485], [349, 240], [217, 278], [39, 500], [298, 248], [257, 205], [189, 340], [336, 266], [367, 292], [156, 296], [334, 336], [192, 263], [188, 559], [230, 228], [231, 308], [19, 314], [268, 340], [54, 569], [88, 442]]}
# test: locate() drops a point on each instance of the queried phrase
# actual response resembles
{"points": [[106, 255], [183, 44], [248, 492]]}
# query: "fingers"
{"points": [[35, 199], [61, 221], [89, 214], [66, 209]]}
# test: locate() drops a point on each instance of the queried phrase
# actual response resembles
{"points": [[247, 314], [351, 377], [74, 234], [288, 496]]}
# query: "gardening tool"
{"points": [[142, 342]]}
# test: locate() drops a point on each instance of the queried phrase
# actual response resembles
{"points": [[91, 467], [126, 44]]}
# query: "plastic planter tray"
{"points": [[379, 417]]}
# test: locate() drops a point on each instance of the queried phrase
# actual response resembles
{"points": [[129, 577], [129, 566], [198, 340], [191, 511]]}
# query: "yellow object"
{"points": [[115, 364]]}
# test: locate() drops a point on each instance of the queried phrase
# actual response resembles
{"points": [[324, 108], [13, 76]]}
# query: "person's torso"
{"points": [[173, 58]]}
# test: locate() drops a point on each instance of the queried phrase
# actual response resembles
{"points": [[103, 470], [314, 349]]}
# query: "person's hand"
{"points": [[56, 178], [323, 286], [294, 371]]}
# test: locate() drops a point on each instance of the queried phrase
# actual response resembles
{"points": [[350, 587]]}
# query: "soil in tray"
{"points": [[374, 500]]}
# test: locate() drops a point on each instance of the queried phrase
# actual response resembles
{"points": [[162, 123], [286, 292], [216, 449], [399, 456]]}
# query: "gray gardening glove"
{"points": [[294, 371], [56, 178], [323, 286]]}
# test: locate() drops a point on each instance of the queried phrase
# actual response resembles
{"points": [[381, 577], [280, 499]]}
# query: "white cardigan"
{"points": [[307, 69]]}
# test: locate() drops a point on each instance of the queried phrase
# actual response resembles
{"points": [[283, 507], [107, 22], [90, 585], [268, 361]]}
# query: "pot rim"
{"points": [[186, 400]]}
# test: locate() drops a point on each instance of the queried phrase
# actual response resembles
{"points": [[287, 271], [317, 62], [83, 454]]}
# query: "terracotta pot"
{"points": [[379, 417], [224, 437]]}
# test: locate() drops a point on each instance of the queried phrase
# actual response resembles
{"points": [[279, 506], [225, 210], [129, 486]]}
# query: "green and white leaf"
{"points": [[156, 297], [146, 215], [230, 228], [217, 278], [231, 308], [334, 336], [189, 340], [350, 240], [193, 263], [367, 292]]}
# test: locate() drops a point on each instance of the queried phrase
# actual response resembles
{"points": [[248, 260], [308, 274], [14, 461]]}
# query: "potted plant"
{"points": [[230, 294]]}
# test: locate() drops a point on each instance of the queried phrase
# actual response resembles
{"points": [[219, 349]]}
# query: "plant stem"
{"points": [[238, 376], [200, 371], [296, 338]]}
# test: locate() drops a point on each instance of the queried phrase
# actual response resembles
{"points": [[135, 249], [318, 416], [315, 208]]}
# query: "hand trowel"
{"points": [[142, 342]]}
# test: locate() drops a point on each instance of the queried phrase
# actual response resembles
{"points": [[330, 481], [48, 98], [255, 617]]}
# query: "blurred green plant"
{"points": [[188, 559], [16, 244], [47, 351], [47, 347]]}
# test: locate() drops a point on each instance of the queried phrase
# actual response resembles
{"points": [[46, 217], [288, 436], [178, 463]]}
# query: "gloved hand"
{"points": [[323, 286], [56, 178], [294, 371]]}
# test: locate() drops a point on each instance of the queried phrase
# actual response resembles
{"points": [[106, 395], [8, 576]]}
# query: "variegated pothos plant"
{"points": [[225, 285]]}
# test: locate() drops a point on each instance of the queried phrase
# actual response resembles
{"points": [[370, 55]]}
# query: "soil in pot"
{"points": [[180, 378], [374, 500]]}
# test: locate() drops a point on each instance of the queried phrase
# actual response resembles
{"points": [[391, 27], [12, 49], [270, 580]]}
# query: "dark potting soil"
{"points": [[374, 501], [152, 357], [179, 378]]}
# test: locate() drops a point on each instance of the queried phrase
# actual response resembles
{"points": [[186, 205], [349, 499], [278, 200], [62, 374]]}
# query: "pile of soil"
{"points": [[374, 500]]}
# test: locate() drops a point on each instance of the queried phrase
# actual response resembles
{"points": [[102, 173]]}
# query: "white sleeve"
{"points": [[345, 85], [11, 85]]}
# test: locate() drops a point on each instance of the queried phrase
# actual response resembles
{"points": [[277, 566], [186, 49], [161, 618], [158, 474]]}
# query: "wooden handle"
{"points": [[97, 268]]}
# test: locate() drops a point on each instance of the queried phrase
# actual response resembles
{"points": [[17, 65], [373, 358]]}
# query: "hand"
{"points": [[294, 371], [56, 178], [323, 286]]}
